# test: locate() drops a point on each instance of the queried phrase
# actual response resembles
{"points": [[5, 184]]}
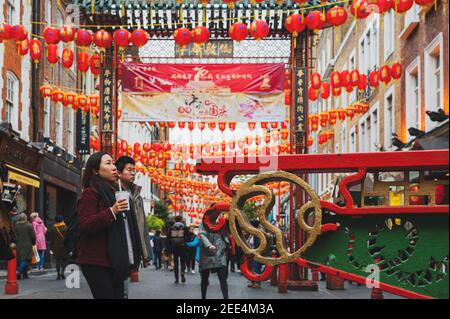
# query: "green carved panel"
{"points": [[411, 250]]}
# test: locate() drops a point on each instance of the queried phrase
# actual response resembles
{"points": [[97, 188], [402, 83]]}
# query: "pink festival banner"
{"points": [[203, 92]]}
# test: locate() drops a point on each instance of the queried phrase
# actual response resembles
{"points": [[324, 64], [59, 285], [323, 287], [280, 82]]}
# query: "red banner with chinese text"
{"points": [[249, 78], [203, 92]]}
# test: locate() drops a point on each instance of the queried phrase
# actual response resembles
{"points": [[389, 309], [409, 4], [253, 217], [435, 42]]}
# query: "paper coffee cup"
{"points": [[124, 195]]}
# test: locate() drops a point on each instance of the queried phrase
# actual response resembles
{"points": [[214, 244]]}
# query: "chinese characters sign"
{"points": [[212, 49], [203, 92], [106, 96], [299, 100]]}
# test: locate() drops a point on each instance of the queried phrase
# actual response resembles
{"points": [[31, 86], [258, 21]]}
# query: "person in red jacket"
{"points": [[105, 249]]}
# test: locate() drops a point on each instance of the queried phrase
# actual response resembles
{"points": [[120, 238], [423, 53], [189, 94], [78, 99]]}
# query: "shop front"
{"points": [[21, 162]]}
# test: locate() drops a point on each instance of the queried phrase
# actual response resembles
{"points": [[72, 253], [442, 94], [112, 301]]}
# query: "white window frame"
{"points": [[390, 92], [13, 10], [344, 137], [59, 123], [410, 22], [368, 137], [47, 114], [48, 12], [370, 57], [352, 95], [436, 44], [70, 131], [12, 100], [352, 140], [413, 67], [389, 33]]}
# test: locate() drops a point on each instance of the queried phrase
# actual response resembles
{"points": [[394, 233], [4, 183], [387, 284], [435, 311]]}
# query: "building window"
{"points": [[389, 33], [59, 124], [12, 12], [344, 138], [369, 131], [48, 11], [70, 131], [368, 47], [412, 79], [47, 108], [388, 118], [351, 65], [12, 100], [352, 145], [433, 78]]}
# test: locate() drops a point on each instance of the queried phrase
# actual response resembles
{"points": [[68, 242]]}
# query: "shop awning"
{"points": [[22, 176]]}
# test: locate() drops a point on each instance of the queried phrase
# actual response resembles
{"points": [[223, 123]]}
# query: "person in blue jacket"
{"points": [[193, 250]]}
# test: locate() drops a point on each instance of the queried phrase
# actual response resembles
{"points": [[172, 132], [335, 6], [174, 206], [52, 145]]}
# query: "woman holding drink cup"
{"points": [[106, 248]]}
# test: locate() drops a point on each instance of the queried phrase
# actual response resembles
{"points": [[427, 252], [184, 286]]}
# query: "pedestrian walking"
{"points": [[192, 249], [108, 248], [40, 230], [176, 240], [254, 242], [157, 248], [58, 234], [25, 240], [127, 174], [213, 258]]}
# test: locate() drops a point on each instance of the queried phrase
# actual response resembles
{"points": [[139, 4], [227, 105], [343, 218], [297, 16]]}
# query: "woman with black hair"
{"points": [[107, 250]]}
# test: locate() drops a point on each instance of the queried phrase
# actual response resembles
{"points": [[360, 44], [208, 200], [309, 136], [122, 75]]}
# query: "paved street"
{"points": [[156, 284]]}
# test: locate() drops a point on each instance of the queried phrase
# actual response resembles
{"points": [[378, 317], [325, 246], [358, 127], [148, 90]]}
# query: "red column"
{"points": [[283, 273], [11, 286]]}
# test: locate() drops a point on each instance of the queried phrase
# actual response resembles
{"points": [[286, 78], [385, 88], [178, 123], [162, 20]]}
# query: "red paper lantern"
{"points": [[354, 77], [191, 126], [335, 79], [396, 70], [341, 114], [336, 91], [139, 37], [362, 82], [295, 24], [232, 126], [212, 126], [67, 34], [182, 36], [374, 79], [259, 29], [424, 2], [402, 6], [325, 90], [312, 94], [238, 31], [83, 38], [51, 35], [222, 126], [83, 62], [67, 58], [345, 78], [57, 96], [385, 74], [24, 47], [336, 16], [264, 125], [103, 39], [171, 124], [359, 9], [137, 148], [52, 53], [181, 125], [45, 91], [349, 88], [310, 141], [200, 35], [350, 112], [122, 38], [315, 20], [201, 126], [19, 33], [35, 50], [251, 126], [315, 81], [95, 64], [69, 99], [6, 32]]}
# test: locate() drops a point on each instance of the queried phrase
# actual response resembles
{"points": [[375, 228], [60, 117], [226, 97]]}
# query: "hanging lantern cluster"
{"points": [[184, 36], [351, 80], [87, 103]]}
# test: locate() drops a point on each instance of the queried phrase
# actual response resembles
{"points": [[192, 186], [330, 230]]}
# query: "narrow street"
{"points": [[157, 284]]}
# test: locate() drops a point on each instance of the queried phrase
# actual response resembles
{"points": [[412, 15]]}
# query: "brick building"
{"points": [[416, 39]]}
